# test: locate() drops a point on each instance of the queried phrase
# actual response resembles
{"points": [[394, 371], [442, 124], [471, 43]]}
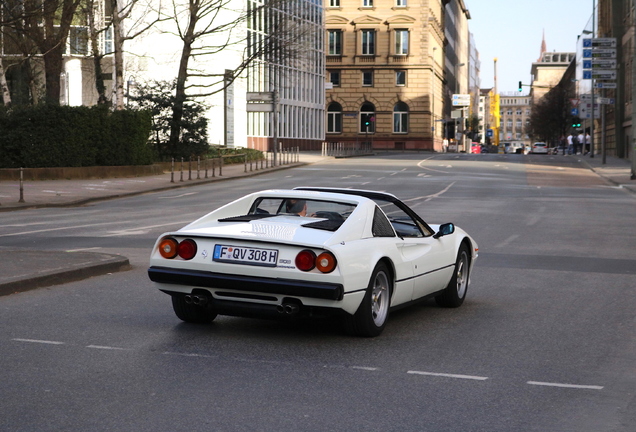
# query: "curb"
{"points": [[99, 265], [170, 186]]}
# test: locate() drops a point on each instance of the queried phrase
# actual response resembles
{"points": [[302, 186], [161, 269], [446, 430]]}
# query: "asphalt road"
{"points": [[545, 341]]}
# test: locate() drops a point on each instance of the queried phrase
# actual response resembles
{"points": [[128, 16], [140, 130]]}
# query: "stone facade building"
{"points": [[387, 68], [515, 115]]}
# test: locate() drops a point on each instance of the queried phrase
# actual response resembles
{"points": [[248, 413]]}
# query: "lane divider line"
{"points": [[563, 385], [446, 375]]}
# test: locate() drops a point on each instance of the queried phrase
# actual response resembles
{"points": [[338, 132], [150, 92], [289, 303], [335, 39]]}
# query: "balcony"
{"points": [[399, 59], [365, 59]]}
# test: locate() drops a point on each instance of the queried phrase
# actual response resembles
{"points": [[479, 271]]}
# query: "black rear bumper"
{"points": [[290, 287]]}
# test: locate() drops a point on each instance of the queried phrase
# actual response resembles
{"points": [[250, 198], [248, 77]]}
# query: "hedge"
{"points": [[62, 136]]}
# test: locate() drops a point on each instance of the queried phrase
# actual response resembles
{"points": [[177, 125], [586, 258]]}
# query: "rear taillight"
{"points": [[307, 260], [170, 248], [187, 249], [326, 262]]}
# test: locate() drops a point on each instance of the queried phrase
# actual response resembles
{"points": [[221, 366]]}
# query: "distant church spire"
{"points": [[543, 46]]}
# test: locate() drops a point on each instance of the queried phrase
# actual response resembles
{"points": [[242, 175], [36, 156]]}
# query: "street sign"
{"points": [[259, 107], [605, 85], [490, 133], [599, 43], [259, 96], [600, 74], [575, 111], [461, 100], [586, 111], [599, 64], [604, 53], [606, 101]]}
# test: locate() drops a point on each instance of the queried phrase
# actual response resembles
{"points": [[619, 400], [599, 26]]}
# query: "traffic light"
{"points": [[520, 90], [576, 122]]}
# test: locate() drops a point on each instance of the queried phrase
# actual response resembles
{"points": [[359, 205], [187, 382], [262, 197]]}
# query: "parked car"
{"points": [[312, 251], [539, 147], [475, 147]]}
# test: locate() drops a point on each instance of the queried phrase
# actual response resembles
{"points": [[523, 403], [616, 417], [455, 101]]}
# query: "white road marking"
{"points": [[365, 368], [39, 341], [469, 377], [178, 196], [142, 230], [563, 385], [59, 229], [108, 348], [83, 249], [507, 241]]}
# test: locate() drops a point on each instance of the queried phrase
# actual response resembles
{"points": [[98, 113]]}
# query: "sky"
{"points": [[512, 30]]}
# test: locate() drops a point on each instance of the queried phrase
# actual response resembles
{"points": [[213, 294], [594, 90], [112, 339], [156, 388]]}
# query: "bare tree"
{"points": [[47, 25], [6, 95], [122, 10], [207, 27], [13, 15]]}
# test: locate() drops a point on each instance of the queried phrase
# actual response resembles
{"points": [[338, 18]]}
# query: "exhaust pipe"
{"points": [[187, 298], [291, 309], [199, 300], [288, 308]]}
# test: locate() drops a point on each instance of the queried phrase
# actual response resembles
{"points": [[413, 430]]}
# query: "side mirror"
{"points": [[445, 229]]}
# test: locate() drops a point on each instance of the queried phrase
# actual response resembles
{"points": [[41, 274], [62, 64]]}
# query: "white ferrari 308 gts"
{"points": [[312, 251]]}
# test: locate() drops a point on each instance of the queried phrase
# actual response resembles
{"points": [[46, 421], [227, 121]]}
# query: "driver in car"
{"points": [[297, 207]]}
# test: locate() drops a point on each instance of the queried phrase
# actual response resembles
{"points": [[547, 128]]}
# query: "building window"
{"points": [[78, 40], [108, 40], [400, 3], [401, 42], [334, 118], [400, 78], [334, 3], [509, 112], [367, 118], [367, 78], [367, 3], [368, 42], [509, 124], [518, 111], [518, 123], [334, 78], [400, 118], [335, 42]]}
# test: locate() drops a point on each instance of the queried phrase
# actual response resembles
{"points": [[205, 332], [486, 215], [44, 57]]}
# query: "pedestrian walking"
{"points": [[570, 144], [580, 141], [588, 143]]}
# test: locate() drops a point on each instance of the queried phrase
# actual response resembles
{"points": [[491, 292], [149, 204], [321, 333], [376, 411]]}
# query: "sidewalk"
{"points": [[615, 170], [26, 269], [61, 193]]}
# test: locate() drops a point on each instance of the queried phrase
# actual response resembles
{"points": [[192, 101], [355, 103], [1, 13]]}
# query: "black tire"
{"points": [[455, 292], [191, 313], [373, 313]]}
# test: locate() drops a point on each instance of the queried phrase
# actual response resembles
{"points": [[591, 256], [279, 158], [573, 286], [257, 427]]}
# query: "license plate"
{"points": [[245, 255]]}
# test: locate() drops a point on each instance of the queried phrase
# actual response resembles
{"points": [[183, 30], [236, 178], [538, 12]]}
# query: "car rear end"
{"points": [[269, 267]]}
